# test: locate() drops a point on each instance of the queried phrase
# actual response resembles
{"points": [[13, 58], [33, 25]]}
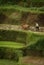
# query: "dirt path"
{"points": [[32, 60], [18, 27]]}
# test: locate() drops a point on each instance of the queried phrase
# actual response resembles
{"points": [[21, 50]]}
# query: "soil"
{"points": [[33, 60]]}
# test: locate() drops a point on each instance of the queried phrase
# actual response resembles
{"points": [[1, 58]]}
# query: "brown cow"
{"points": [[25, 26]]}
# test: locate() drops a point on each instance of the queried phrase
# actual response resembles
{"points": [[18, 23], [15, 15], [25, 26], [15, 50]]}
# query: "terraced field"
{"points": [[19, 46], [11, 44]]}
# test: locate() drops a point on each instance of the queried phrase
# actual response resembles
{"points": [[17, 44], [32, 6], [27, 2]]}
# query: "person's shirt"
{"points": [[37, 25]]}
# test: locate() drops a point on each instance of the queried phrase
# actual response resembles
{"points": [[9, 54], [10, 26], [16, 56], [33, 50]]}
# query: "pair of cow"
{"points": [[26, 26]]}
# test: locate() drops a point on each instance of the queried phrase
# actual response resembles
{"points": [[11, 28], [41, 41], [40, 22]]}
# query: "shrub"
{"points": [[8, 53], [17, 36], [35, 45], [2, 17]]}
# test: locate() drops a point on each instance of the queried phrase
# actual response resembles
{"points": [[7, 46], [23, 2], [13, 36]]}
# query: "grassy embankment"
{"points": [[22, 38], [24, 9], [35, 40]]}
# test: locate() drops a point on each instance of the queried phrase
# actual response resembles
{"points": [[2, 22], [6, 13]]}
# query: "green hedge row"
{"points": [[10, 53], [36, 45], [17, 36]]}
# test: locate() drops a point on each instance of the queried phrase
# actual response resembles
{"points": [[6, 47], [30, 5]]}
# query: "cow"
{"points": [[25, 26]]}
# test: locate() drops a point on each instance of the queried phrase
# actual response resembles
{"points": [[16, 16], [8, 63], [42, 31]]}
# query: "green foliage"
{"points": [[35, 45], [34, 42], [37, 0], [8, 2], [11, 44], [24, 3], [9, 53], [17, 36], [13, 8]]}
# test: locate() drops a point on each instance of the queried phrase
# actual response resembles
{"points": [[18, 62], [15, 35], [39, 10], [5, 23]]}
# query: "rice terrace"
{"points": [[21, 32]]}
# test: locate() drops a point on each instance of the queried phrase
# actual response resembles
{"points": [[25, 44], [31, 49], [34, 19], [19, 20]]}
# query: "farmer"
{"points": [[37, 27]]}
